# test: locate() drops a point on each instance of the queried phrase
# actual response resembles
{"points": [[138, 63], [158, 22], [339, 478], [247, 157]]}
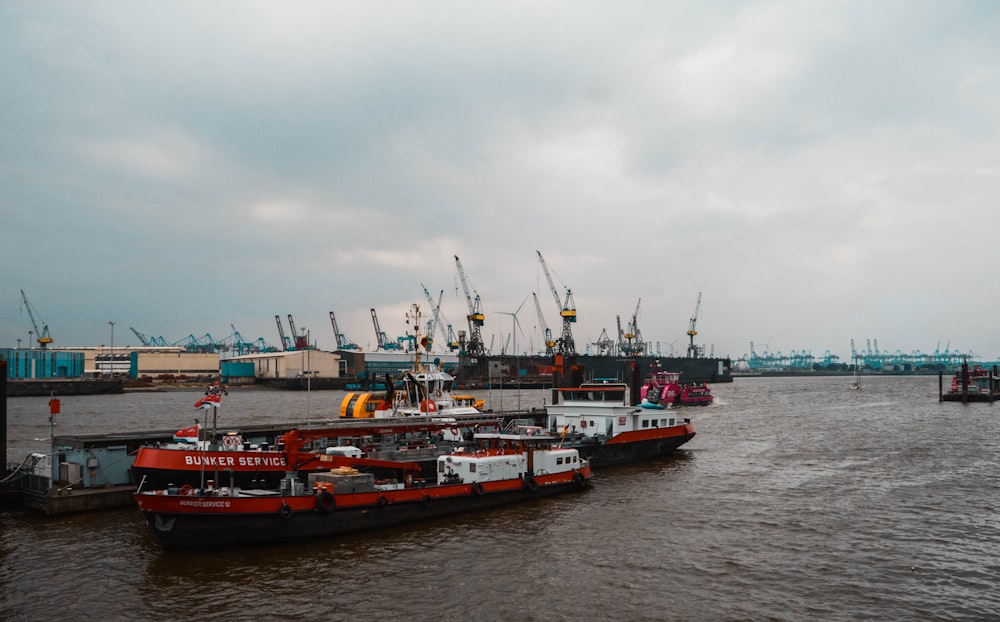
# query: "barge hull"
{"points": [[183, 530]]}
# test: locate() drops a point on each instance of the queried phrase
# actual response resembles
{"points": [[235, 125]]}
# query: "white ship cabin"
{"points": [[504, 456], [601, 410]]}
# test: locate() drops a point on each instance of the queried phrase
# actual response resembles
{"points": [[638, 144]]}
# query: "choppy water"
{"points": [[798, 499]]}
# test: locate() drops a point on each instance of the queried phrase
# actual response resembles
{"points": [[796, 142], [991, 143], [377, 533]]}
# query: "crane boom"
{"points": [[567, 311], [550, 343], [281, 333], [142, 338], [691, 332], [379, 335], [336, 333], [476, 317], [42, 336], [300, 341]]}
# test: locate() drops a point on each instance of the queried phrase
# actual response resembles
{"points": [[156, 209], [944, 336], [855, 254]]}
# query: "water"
{"points": [[798, 499]]}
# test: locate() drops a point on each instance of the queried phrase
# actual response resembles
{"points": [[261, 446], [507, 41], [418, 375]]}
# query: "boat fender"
{"points": [[478, 490], [578, 478], [382, 501], [530, 484], [285, 511], [325, 501], [426, 500]]}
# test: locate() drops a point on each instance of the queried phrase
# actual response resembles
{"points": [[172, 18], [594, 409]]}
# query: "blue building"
{"points": [[35, 363]]}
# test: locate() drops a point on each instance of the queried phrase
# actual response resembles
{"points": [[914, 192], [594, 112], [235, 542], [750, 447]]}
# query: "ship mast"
{"points": [[414, 316]]}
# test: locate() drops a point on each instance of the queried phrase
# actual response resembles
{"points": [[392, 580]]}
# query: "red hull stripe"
{"points": [[652, 434], [193, 504]]}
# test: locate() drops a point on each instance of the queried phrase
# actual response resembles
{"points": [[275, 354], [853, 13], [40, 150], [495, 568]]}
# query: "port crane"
{"points": [[281, 333], [300, 340], [550, 343], [476, 317], [441, 322], [149, 341], [343, 343], [636, 345], [693, 350], [383, 339], [567, 311], [42, 336]]}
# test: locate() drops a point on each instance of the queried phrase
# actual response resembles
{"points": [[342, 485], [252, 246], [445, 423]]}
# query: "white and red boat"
{"points": [[200, 455], [503, 468], [607, 427]]}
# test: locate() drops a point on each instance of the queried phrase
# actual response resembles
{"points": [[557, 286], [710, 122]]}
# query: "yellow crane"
{"points": [[567, 310], [476, 317], [42, 336]]}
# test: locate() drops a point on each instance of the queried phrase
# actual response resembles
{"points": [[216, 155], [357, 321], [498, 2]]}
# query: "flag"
{"points": [[187, 435], [209, 401]]}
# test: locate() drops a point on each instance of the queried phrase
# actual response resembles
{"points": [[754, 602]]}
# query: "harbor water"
{"points": [[799, 499]]}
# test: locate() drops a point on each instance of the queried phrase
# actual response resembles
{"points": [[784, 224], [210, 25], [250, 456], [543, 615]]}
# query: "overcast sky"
{"points": [[819, 171]]}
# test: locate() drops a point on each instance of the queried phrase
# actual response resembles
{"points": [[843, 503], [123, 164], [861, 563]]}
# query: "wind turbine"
{"points": [[515, 326]]}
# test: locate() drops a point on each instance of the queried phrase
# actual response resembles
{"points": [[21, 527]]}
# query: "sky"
{"points": [[815, 172]]}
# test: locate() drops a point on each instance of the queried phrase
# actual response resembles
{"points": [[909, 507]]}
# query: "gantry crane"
{"points": [[476, 317], [550, 343], [693, 350], [567, 311], [343, 343], [42, 336]]}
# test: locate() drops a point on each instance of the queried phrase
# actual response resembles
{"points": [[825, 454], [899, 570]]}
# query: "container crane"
{"points": [[343, 343], [142, 338], [42, 336], [691, 332], [550, 343], [476, 317], [567, 311]]}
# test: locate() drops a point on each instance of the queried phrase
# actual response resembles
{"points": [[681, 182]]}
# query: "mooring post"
{"points": [[940, 386], [3, 413], [965, 381]]}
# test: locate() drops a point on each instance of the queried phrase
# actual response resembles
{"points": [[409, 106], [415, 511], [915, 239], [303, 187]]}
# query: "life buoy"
{"points": [[325, 501], [456, 432], [478, 490], [530, 484], [186, 489], [382, 501], [428, 406], [285, 511], [583, 423], [578, 478]]}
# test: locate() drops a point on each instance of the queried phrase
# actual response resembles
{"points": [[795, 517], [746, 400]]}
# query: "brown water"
{"points": [[798, 499]]}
